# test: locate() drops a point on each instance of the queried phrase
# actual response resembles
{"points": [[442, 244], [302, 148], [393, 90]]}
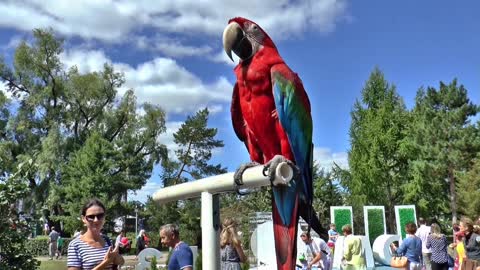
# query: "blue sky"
{"points": [[171, 53]]}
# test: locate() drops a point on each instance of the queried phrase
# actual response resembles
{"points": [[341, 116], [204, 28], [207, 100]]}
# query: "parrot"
{"points": [[271, 115]]}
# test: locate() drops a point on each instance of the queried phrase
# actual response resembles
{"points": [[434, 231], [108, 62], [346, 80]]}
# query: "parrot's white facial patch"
{"points": [[254, 33]]}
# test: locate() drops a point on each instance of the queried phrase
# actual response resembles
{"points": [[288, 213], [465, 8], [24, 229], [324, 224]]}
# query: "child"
{"points": [[332, 233]]}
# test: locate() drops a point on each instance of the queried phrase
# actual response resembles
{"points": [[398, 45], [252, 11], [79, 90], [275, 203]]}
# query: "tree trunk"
{"points": [[453, 195], [390, 216]]}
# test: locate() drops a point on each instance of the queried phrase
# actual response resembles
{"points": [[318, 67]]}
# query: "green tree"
{"points": [[195, 142], [468, 192], [60, 115], [444, 144], [13, 230], [326, 193], [377, 166]]}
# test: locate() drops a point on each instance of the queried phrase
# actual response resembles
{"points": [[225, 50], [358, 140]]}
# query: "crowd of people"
{"points": [[425, 247], [93, 250]]}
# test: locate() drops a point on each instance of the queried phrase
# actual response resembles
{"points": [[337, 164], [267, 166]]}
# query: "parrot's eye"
{"points": [[255, 27]]}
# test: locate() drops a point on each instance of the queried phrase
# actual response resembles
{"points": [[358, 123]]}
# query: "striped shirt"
{"points": [[84, 256]]}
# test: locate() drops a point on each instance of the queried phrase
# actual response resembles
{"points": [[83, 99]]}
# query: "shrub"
{"points": [[39, 246], [13, 231]]}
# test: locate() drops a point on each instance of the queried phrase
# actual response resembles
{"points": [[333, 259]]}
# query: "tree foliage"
{"points": [[13, 230], [377, 166], [195, 142], [468, 192], [77, 137], [326, 192], [442, 144]]}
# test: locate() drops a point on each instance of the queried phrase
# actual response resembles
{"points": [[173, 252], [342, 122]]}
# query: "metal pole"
{"points": [[136, 222], [210, 245]]}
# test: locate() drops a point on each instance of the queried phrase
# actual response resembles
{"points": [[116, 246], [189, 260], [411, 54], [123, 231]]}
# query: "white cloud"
{"points": [[170, 47], [325, 158], [85, 60], [112, 21], [105, 20], [161, 81]]}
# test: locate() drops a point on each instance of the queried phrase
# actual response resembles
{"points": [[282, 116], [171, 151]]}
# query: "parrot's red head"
{"points": [[245, 38]]}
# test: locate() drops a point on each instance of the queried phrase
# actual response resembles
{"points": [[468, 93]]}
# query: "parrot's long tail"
{"points": [[285, 238], [308, 214]]}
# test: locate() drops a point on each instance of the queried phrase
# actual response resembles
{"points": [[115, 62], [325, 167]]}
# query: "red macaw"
{"points": [[271, 115]]}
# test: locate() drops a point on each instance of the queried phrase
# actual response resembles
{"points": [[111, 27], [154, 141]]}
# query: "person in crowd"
{"points": [[332, 233], [182, 256], [422, 232], [231, 252], [60, 242], [121, 243], [46, 228], [332, 238], [146, 239], [140, 241], [319, 249], [126, 243], [471, 240], [353, 255], [459, 248], [411, 247], [437, 242], [52, 243], [93, 250]]}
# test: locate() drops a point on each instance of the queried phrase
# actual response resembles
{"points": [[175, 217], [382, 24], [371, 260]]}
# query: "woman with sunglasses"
{"points": [[92, 250]]}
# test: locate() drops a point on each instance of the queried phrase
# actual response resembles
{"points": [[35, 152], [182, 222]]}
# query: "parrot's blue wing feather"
{"points": [[293, 111]]}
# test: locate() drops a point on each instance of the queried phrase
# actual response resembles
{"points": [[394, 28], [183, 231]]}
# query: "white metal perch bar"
{"points": [[206, 188]]}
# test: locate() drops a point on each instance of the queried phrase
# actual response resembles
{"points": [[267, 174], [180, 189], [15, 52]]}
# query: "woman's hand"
{"points": [[111, 254]]}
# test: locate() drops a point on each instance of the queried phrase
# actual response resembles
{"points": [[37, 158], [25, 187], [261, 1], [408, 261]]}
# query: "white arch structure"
{"points": [[206, 188]]}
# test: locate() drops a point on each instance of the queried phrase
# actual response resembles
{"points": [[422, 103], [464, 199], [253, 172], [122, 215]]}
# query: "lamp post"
{"points": [[136, 221]]}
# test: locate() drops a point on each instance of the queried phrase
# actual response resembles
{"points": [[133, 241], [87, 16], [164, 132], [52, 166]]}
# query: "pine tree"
{"points": [[442, 145], [377, 167]]}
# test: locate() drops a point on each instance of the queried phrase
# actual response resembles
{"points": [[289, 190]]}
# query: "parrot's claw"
{"points": [[270, 167], [238, 176]]}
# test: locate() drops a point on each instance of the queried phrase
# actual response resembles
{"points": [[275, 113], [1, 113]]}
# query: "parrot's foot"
{"points": [[270, 170], [238, 175]]}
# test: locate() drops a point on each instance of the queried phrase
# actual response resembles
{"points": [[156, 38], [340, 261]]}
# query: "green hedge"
{"points": [[406, 215], [39, 246], [375, 224], [342, 217]]}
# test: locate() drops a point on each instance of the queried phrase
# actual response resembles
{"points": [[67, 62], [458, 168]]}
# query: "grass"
{"points": [[62, 265], [53, 265]]}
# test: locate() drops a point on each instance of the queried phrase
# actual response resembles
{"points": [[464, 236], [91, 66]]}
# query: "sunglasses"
{"points": [[91, 218]]}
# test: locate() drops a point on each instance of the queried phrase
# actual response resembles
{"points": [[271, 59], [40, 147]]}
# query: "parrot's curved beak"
{"points": [[234, 39]]}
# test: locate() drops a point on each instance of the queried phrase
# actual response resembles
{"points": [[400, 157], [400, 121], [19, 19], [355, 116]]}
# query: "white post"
{"points": [[136, 222], [210, 245]]}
